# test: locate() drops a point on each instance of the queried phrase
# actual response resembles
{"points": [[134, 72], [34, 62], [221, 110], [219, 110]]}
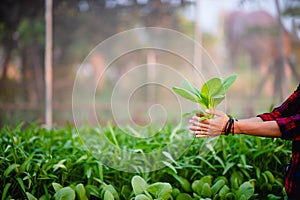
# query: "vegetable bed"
{"points": [[37, 163]]}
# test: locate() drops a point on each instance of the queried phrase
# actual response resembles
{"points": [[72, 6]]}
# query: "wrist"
{"points": [[237, 129]]}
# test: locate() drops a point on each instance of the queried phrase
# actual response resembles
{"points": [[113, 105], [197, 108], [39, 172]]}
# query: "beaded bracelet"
{"points": [[229, 127]]}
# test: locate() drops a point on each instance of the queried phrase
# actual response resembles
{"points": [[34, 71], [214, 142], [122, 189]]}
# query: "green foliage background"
{"points": [[37, 163]]}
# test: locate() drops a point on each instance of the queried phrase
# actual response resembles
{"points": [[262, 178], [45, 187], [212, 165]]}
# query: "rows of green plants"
{"points": [[36, 163]]}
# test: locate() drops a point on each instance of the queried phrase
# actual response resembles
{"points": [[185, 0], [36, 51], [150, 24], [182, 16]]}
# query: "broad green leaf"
{"points": [[216, 100], [65, 193], [245, 189], [108, 195], [211, 88], [160, 190], [204, 102], [142, 197], [186, 94], [30, 196], [57, 187], [206, 191], [139, 185], [185, 184], [197, 186], [112, 190], [184, 196], [44, 197], [227, 82], [80, 192], [207, 179], [224, 190], [190, 87]]}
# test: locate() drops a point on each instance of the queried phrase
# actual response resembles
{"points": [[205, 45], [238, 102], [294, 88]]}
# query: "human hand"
{"points": [[208, 127]]}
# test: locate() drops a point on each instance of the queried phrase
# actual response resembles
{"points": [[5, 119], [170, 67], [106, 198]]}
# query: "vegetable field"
{"points": [[37, 163]]}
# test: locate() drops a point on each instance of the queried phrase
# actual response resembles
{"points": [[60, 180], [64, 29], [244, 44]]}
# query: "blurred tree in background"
{"points": [[78, 26], [22, 41]]}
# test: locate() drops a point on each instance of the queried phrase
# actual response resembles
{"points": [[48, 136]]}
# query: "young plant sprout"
{"points": [[210, 96]]}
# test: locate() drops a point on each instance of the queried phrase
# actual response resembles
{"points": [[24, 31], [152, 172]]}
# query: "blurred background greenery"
{"points": [[261, 47]]}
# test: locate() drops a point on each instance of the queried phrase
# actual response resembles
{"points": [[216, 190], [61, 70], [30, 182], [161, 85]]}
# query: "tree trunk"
{"points": [[48, 64], [6, 62], [3, 79]]}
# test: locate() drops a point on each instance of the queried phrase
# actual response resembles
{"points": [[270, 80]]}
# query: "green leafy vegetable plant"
{"points": [[37, 163], [209, 96]]}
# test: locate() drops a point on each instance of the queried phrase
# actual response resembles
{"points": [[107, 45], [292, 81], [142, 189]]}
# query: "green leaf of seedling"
{"points": [[142, 197], [190, 87], [184, 196], [204, 118], [212, 87], [186, 94], [108, 195], [185, 184], [112, 190], [186, 114], [80, 192], [66, 193], [57, 187], [227, 82], [139, 185], [196, 112], [160, 190], [245, 189], [216, 100], [204, 101], [211, 94]]}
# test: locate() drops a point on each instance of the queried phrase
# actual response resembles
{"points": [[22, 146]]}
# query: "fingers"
{"points": [[198, 129], [196, 122], [200, 119], [203, 134], [204, 128]]}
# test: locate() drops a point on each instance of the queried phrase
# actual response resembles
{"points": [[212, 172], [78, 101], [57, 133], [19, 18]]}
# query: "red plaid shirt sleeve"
{"points": [[287, 116]]}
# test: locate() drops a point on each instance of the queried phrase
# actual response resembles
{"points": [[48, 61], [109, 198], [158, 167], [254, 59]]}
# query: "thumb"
{"points": [[215, 112]]}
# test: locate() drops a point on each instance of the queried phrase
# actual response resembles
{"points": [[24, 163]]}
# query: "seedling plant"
{"points": [[209, 96]]}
